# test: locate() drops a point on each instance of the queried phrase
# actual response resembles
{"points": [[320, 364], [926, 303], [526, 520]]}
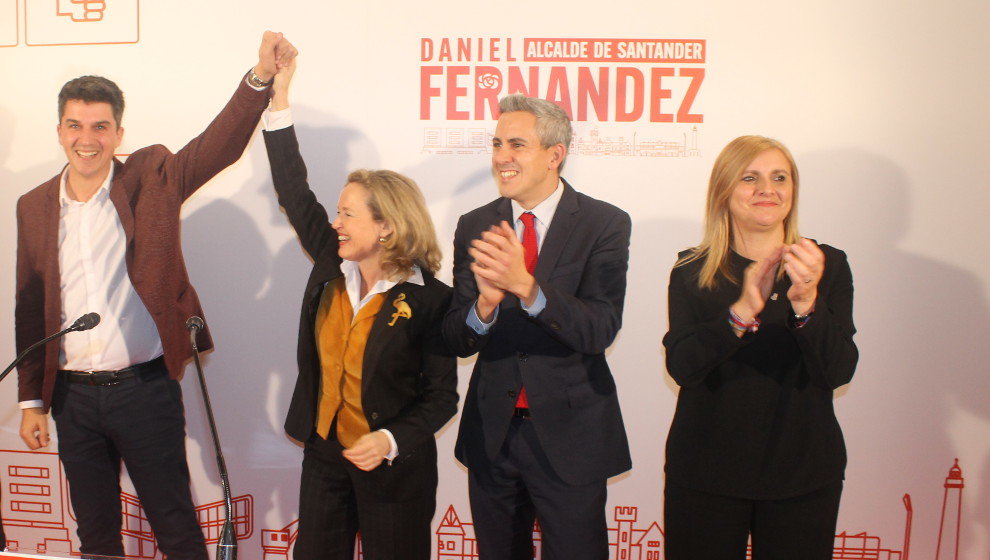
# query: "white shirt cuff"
{"points": [[277, 120], [393, 448], [38, 403]]}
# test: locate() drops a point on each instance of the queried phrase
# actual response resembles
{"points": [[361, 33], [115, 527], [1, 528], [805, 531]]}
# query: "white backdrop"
{"points": [[883, 105]]}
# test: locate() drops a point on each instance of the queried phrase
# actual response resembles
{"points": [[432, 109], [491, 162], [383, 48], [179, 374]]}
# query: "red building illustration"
{"points": [[949, 526], [276, 543], [35, 503], [36, 510], [139, 540], [456, 540]]}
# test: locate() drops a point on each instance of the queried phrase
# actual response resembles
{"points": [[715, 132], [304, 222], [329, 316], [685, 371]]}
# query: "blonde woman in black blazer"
{"points": [[382, 239]]}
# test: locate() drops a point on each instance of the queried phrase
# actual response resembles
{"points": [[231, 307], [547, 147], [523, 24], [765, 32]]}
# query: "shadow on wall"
{"points": [[923, 351]]}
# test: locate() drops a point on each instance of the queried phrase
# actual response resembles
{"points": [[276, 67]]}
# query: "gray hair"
{"points": [[552, 124]]}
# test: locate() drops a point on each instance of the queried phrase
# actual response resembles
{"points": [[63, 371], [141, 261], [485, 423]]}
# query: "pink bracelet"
{"points": [[737, 323]]}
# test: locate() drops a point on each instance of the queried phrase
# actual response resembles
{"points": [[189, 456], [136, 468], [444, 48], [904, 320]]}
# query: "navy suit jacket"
{"points": [[408, 377], [559, 355]]}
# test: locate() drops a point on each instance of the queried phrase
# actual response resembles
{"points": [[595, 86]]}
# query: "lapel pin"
{"points": [[402, 309]]}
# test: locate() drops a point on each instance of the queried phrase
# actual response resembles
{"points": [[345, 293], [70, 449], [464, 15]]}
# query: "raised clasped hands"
{"points": [[280, 87], [499, 268], [804, 263], [275, 52]]}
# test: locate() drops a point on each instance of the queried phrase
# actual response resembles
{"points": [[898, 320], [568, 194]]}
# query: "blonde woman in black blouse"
{"points": [[761, 332]]}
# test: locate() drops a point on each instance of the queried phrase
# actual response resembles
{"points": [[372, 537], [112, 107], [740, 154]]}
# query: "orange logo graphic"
{"points": [[82, 10], [80, 22]]}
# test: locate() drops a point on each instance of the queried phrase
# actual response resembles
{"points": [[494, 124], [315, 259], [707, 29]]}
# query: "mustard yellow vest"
{"points": [[341, 342]]}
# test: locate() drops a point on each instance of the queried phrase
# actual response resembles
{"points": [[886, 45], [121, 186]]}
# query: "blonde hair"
{"points": [[717, 241], [397, 200]]}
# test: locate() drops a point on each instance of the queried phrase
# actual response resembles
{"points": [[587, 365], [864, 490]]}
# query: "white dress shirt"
{"points": [[93, 278]]}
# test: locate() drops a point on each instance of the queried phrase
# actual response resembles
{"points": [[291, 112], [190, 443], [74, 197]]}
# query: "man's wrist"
{"points": [[527, 291], [485, 311], [257, 77]]}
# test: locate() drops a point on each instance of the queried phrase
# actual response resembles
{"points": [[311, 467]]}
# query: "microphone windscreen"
{"points": [[86, 322]]}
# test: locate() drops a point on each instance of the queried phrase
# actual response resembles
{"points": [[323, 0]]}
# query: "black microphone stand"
{"points": [[227, 542]]}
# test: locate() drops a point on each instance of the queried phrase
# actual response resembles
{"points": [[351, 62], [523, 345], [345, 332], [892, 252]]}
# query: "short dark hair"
{"points": [[92, 89]]}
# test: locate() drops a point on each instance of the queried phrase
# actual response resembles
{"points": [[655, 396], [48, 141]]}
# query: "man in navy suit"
{"points": [[539, 281]]}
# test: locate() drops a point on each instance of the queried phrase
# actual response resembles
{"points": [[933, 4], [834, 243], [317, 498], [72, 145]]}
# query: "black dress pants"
{"points": [[391, 505], [521, 485], [702, 526], [141, 421]]}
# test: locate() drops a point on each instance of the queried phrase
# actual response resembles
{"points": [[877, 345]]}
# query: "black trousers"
{"points": [[142, 422], [702, 526], [519, 486], [392, 505]]}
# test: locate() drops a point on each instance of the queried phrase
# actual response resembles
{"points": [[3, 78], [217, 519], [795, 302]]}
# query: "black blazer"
{"points": [[560, 354], [754, 415], [409, 379]]}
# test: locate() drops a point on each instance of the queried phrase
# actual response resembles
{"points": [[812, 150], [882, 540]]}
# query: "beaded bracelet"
{"points": [[802, 320], [738, 325]]}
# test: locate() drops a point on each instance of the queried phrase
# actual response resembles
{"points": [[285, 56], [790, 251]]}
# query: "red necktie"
{"points": [[529, 240], [530, 256]]}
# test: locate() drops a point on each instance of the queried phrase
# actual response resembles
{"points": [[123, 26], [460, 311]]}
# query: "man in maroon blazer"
{"points": [[103, 236]]}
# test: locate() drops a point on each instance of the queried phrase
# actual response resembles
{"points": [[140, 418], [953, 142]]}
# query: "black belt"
{"points": [[521, 412], [110, 378]]}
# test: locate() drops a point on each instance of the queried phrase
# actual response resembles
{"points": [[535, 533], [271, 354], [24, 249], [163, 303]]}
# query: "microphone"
{"points": [[194, 323], [227, 540], [83, 323]]}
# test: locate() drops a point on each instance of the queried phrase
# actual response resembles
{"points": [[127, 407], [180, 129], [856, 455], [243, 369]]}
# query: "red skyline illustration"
{"points": [[630, 539], [38, 517], [36, 510], [476, 140]]}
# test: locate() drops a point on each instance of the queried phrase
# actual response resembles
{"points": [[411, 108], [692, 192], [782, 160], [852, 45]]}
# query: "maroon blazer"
{"points": [[148, 191]]}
